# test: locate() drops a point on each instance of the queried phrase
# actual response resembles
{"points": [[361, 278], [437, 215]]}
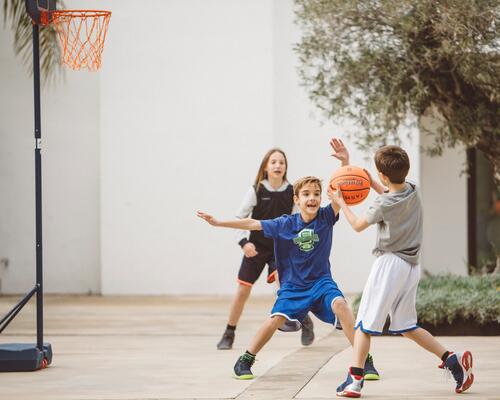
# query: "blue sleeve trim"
{"points": [[404, 330], [360, 326]]}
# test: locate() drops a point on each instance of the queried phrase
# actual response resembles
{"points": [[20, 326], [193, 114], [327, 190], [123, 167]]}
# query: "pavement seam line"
{"points": [[294, 372]]}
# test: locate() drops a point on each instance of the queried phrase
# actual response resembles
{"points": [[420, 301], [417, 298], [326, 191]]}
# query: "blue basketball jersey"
{"points": [[302, 251]]}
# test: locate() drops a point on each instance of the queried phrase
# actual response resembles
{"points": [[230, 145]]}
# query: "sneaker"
{"points": [[226, 342], [351, 387], [242, 367], [307, 336], [460, 366], [370, 373], [290, 326]]}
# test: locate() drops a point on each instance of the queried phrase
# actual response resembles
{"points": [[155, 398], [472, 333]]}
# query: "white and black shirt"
{"points": [[265, 203]]}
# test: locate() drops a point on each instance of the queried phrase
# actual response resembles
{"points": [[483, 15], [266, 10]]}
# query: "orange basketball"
{"points": [[353, 182]]}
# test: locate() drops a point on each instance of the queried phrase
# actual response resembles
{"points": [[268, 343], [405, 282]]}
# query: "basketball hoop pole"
{"points": [[38, 188], [22, 356], [81, 34]]}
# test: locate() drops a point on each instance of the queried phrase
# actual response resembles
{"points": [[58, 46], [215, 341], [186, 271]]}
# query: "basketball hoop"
{"points": [[81, 33]]}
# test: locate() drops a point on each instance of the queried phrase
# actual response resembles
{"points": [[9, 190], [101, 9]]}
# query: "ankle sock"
{"points": [[230, 327], [445, 356], [250, 354], [356, 371]]}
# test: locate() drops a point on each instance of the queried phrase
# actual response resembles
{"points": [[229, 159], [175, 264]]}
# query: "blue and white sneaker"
{"points": [[460, 366], [351, 387]]}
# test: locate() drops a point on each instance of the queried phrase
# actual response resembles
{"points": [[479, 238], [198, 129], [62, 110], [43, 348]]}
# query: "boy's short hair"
{"points": [[393, 162], [299, 184]]}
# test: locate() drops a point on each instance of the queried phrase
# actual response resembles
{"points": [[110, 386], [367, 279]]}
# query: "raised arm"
{"points": [[339, 151], [248, 224]]}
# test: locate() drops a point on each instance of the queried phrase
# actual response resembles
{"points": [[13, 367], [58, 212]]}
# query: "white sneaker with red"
{"points": [[351, 387]]}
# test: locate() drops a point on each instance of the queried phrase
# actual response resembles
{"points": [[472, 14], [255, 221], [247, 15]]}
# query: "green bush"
{"points": [[446, 298]]}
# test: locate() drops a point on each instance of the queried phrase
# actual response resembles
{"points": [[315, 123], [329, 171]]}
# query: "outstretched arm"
{"points": [[357, 223], [248, 224]]}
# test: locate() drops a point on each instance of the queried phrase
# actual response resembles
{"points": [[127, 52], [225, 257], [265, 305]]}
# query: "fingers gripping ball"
{"points": [[353, 182]]}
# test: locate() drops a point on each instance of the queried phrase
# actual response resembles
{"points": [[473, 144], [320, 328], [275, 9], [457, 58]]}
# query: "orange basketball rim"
{"points": [[81, 35]]}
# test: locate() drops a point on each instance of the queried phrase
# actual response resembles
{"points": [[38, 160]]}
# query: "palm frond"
{"points": [[15, 15]]}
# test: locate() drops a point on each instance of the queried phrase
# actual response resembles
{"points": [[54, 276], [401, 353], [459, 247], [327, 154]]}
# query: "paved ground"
{"points": [[145, 348]]}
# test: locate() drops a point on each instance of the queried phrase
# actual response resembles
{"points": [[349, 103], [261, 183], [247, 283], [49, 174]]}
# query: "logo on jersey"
{"points": [[306, 239]]}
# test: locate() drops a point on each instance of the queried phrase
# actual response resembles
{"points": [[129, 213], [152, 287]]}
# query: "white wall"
{"points": [[188, 115], [70, 167], [444, 198], [187, 102]]}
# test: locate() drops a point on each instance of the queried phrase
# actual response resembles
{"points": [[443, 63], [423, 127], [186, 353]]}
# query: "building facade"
{"points": [[187, 102]]}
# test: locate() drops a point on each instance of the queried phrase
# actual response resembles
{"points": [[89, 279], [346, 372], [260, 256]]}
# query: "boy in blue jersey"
{"points": [[302, 245]]}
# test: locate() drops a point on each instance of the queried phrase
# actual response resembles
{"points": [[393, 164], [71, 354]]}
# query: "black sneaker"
{"points": [[307, 336], [370, 373], [290, 326], [226, 342], [242, 367]]}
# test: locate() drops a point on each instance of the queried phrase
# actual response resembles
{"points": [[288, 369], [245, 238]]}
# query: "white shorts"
{"points": [[391, 290]]}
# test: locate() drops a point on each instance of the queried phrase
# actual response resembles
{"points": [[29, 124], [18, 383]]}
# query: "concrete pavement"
{"points": [[144, 348]]}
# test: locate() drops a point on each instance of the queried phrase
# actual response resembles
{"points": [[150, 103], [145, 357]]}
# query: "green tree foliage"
{"points": [[15, 16], [385, 63]]}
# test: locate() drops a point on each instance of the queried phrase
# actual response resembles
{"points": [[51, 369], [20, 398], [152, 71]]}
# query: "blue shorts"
{"points": [[294, 303]]}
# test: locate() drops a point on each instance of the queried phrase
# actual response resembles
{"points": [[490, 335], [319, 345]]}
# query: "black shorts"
{"points": [[252, 267]]}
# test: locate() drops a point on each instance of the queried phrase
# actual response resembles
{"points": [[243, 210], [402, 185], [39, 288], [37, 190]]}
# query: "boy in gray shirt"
{"points": [[392, 285]]}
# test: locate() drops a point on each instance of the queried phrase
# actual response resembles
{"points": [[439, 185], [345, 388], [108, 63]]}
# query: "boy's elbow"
{"points": [[256, 226], [360, 225]]}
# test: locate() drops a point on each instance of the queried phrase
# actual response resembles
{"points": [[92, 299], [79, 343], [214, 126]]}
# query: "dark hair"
{"points": [[393, 162], [305, 181], [262, 174]]}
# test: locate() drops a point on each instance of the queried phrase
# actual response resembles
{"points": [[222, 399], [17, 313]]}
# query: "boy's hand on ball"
{"points": [[335, 195], [369, 175], [249, 250], [374, 184], [207, 217]]}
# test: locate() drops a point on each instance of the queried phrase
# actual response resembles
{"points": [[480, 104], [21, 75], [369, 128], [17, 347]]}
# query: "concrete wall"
{"points": [[444, 197], [188, 117], [186, 104], [70, 166]]}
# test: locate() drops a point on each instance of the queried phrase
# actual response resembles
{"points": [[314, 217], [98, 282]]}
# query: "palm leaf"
{"points": [[16, 16]]}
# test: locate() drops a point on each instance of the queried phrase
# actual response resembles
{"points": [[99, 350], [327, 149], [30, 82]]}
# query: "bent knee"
{"points": [[278, 320], [340, 306]]}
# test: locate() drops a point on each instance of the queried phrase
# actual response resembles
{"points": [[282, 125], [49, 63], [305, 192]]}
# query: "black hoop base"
{"points": [[19, 357]]}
